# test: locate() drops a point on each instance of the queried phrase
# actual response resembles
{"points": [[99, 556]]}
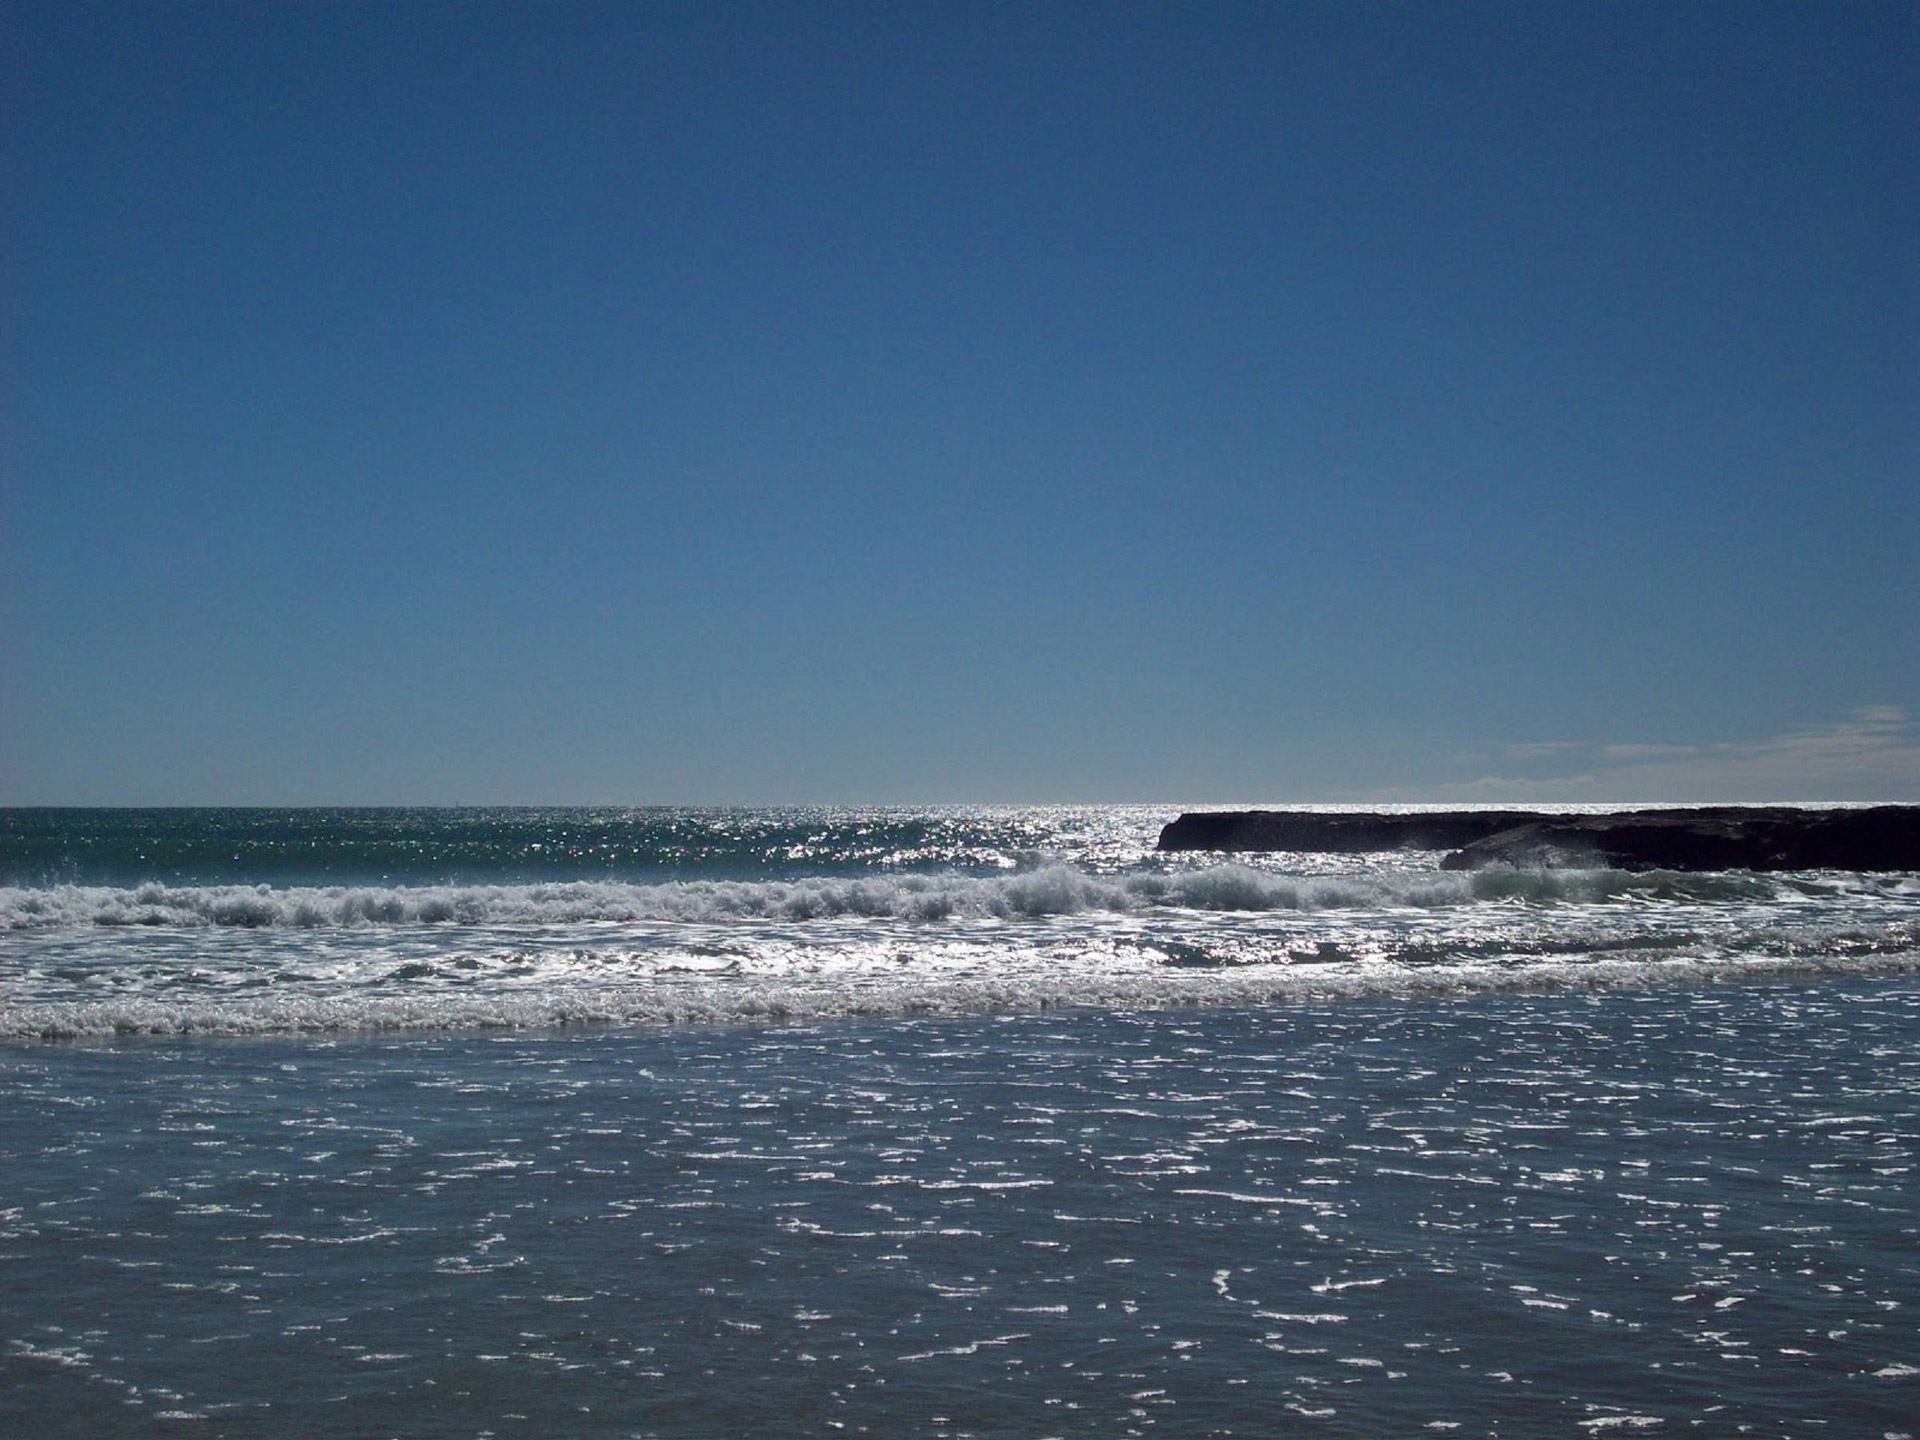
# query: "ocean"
{"points": [[970, 1121]]}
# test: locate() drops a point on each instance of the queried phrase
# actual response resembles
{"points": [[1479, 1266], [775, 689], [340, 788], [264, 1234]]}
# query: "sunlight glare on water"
{"points": [[1587, 1212]]}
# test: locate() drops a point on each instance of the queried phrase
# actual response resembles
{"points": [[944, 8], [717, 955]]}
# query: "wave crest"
{"points": [[1034, 894]]}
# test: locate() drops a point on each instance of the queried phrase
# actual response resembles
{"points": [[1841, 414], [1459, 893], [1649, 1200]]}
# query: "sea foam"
{"points": [[1044, 891], [557, 1003]]}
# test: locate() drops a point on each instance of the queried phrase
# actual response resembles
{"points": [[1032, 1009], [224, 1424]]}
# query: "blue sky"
{"points": [[655, 403]]}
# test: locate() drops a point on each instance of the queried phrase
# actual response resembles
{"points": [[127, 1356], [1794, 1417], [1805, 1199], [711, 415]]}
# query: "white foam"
{"points": [[554, 1003], [244, 959], [1048, 891]]}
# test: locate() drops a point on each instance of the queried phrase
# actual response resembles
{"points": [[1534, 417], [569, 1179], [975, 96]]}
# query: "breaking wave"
{"points": [[1050, 891]]}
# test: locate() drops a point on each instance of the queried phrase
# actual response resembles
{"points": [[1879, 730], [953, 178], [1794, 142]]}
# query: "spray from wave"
{"points": [[1049, 891]]}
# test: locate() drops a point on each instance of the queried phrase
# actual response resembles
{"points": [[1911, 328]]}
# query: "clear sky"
{"points": [[739, 403]]}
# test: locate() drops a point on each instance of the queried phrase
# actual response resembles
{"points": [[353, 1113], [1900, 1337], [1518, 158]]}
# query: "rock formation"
{"points": [[1323, 831], [1726, 837]]}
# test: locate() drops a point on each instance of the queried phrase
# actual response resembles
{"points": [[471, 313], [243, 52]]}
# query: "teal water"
{"points": [[508, 845]]}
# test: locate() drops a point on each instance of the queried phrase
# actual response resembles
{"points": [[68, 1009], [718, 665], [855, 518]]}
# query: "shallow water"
{"points": [[1668, 1208]]}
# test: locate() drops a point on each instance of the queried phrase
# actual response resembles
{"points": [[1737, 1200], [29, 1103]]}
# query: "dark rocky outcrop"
{"points": [[1323, 832], [1727, 837], [1886, 837]]}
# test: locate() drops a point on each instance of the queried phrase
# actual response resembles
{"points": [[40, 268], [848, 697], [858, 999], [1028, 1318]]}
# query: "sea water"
{"points": [[992, 1122]]}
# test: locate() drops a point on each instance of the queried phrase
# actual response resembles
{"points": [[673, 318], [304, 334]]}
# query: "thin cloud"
{"points": [[1628, 753], [1874, 754]]}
